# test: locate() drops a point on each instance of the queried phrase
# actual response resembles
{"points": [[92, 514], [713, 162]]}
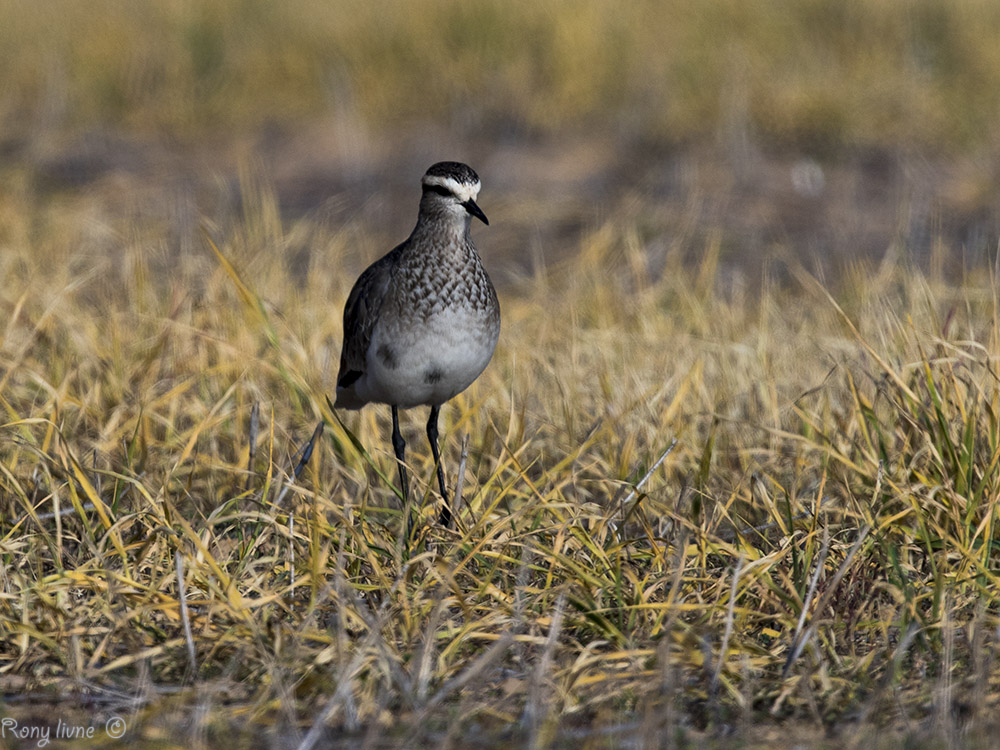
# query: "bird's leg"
{"points": [[432, 436], [399, 446]]}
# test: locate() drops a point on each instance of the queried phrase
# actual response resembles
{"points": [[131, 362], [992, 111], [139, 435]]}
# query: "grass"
{"points": [[702, 499], [814, 75], [819, 544]]}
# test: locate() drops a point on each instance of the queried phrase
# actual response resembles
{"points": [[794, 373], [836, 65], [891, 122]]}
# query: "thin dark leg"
{"points": [[399, 446], [432, 437]]}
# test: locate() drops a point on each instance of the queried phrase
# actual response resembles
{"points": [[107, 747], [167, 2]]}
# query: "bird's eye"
{"points": [[440, 190]]}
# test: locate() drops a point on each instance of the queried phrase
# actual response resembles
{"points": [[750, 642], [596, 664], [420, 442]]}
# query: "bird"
{"points": [[422, 322]]}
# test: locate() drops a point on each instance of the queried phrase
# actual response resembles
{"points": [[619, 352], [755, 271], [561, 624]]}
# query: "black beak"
{"points": [[472, 208]]}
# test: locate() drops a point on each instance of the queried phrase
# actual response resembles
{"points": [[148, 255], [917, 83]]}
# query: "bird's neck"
{"points": [[446, 234]]}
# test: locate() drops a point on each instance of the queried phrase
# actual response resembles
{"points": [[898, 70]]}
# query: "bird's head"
{"points": [[451, 187]]}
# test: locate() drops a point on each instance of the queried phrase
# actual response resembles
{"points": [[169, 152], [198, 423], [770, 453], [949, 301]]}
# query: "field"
{"points": [[731, 477]]}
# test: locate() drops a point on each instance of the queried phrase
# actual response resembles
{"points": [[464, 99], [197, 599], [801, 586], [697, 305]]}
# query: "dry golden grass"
{"points": [[693, 505], [814, 74], [818, 544]]}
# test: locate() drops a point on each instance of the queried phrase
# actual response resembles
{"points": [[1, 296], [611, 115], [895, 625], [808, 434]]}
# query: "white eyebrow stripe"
{"points": [[463, 191]]}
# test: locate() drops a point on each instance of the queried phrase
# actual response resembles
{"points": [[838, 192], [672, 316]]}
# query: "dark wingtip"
{"points": [[348, 379]]}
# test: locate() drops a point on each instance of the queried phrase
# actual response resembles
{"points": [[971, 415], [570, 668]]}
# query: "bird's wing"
{"points": [[360, 314]]}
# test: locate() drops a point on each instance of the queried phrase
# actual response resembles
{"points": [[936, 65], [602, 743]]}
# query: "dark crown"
{"points": [[460, 173]]}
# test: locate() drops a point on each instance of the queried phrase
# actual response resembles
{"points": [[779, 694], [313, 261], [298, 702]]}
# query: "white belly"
{"points": [[427, 364]]}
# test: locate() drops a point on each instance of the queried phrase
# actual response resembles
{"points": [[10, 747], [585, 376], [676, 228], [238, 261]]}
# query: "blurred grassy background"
{"points": [[828, 130], [809, 74]]}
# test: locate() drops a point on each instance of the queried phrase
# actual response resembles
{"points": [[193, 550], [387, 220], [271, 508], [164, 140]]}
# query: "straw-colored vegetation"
{"points": [[811, 73], [819, 541], [688, 501]]}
